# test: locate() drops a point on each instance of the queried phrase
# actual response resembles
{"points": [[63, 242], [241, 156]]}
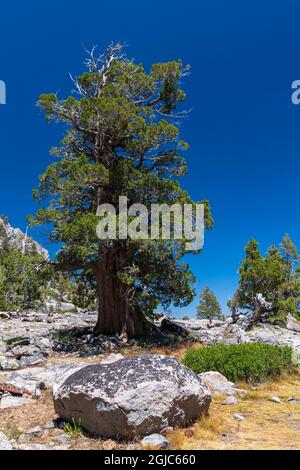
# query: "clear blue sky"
{"points": [[244, 131]]}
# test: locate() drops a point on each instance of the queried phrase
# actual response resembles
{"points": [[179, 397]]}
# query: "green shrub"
{"points": [[74, 429], [252, 362]]}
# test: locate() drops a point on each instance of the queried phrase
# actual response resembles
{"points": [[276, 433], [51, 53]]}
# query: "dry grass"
{"points": [[17, 421], [267, 425], [178, 351]]}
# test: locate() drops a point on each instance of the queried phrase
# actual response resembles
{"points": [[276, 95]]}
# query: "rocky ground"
{"points": [[38, 351]]}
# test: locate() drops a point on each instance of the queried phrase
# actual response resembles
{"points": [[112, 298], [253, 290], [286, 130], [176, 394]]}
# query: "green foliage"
{"points": [[289, 252], [74, 429], [275, 276], [259, 275], [278, 319], [251, 362], [10, 342], [121, 139], [209, 306], [62, 285], [83, 294], [22, 275]]}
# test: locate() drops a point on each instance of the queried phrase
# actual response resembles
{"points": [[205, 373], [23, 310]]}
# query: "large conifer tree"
{"points": [[121, 139]]}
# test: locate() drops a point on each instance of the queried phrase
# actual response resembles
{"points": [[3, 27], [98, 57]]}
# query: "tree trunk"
{"points": [[261, 306], [116, 315], [257, 312]]}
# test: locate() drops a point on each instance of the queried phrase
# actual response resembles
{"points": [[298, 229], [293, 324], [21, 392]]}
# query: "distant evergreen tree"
{"points": [[22, 275], [276, 276], [289, 293], [252, 274], [290, 253], [209, 306]]}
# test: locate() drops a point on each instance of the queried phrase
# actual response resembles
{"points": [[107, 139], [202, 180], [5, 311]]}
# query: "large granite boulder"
{"points": [[133, 396]]}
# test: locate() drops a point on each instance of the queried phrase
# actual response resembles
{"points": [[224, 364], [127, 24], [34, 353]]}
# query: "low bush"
{"points": [[74, 429], [251, 362]]}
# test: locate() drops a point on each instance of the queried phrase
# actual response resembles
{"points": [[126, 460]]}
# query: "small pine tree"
{"points": [[209, 306], [289, 293], [275, 276], [290, 254], [252, 276], [23, 275], [260, 275]]}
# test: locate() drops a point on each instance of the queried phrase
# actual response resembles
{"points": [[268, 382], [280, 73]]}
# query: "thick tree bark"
{"points": [[116, 315], [259, 309], [261, 306]]}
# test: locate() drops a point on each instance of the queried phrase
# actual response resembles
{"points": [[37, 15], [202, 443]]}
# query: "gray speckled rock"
{"points": [[112, 358], [133, 396], [41, 378], [27, 361], [4, 442], [215, 333], [271, 334], [292, 323], [14, 402], [229, 333], [230, 401], [29, 350], [35, 447], [9, 364], [155, 440], [217, 383], [275, 399]]}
